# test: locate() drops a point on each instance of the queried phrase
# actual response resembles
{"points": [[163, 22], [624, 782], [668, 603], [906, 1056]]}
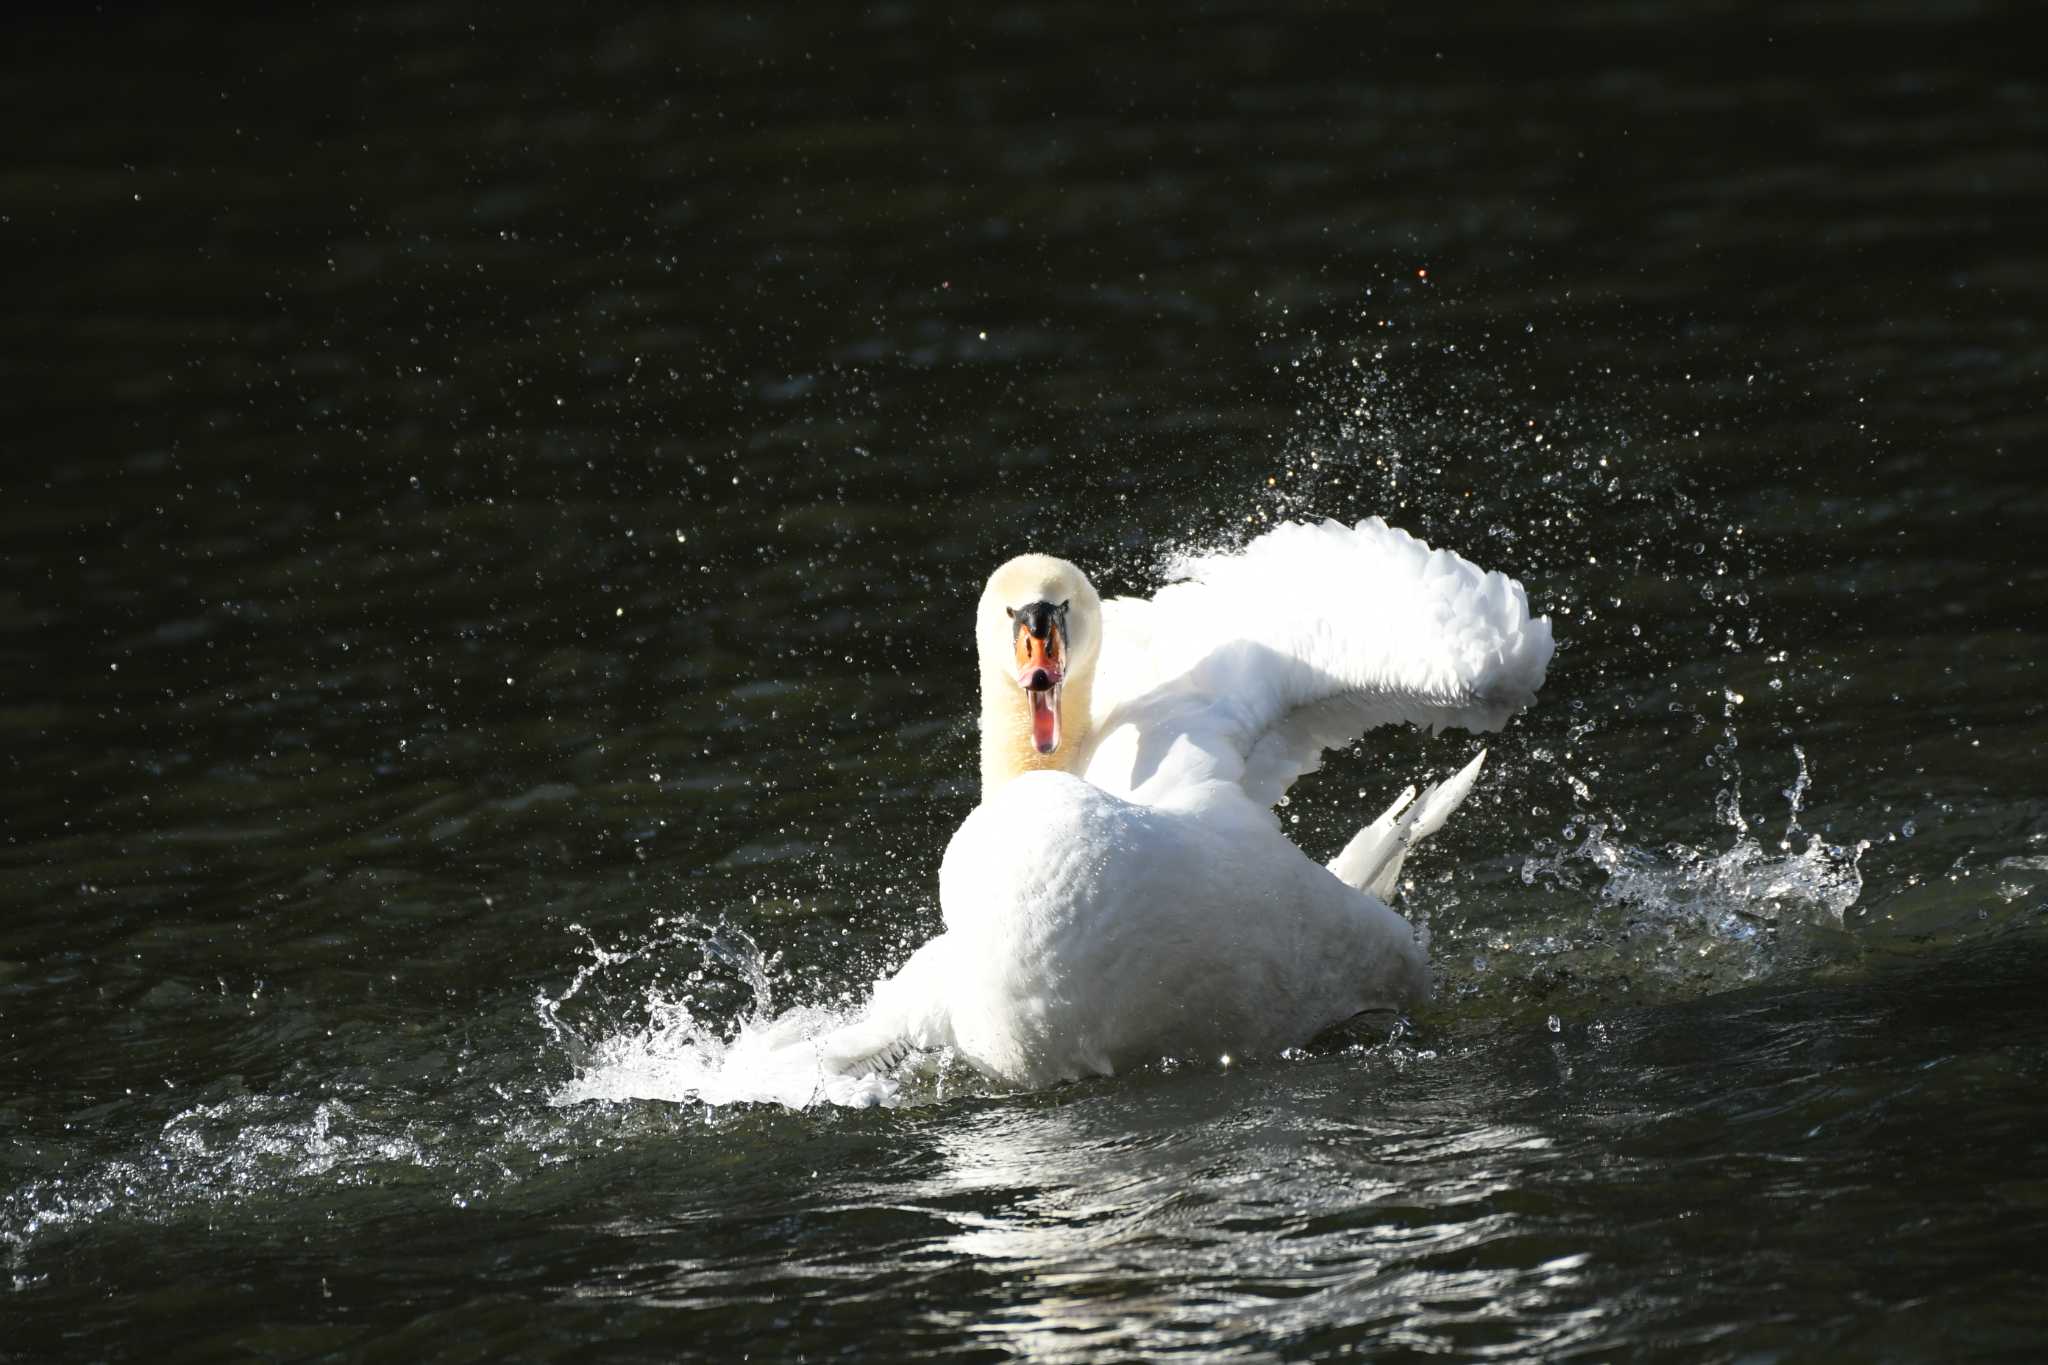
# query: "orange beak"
{"points": [[1041, 647]]}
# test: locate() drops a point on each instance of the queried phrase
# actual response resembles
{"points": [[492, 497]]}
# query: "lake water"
{"points": [[494, 503]]}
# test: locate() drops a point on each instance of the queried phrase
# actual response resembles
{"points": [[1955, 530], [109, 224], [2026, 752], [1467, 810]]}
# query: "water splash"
{"points": [[1733, 891], [676, 1050], [1682, 917]]}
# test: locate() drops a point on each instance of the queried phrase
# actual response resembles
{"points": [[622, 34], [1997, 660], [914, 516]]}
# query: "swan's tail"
{"points": [[1372, 860]]}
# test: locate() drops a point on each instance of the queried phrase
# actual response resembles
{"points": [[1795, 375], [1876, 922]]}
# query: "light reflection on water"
{"points": [[1288, 1231]]}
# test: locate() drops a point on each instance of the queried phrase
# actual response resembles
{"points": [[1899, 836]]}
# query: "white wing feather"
{"points": [[1260, 659]]}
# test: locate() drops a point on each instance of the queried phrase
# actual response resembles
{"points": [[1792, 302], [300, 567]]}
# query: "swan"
{"points": [[1124, 892]]}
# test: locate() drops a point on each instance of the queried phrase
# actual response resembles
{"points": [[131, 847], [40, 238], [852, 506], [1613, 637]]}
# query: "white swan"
{"points": [[1124, 891]]}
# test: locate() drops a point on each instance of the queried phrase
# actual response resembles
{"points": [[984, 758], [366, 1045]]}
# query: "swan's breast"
{"points": [[1032, 856], [1034, 890], [1091, 933]]}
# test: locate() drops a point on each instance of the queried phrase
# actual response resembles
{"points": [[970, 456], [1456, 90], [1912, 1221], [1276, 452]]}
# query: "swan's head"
{"points": [[1038, 628]]}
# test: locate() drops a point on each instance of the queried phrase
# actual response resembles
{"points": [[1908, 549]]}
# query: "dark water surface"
{"points": [[493, 507]]}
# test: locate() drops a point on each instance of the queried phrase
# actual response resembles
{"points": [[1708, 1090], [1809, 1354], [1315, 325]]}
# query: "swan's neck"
{"points": [[1006, 747]]}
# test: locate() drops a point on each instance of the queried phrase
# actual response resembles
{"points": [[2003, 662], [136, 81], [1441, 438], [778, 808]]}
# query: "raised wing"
{"points": [[1258, 660]]}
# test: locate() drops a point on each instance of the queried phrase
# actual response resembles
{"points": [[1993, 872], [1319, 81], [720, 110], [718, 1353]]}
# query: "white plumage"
{"points": [[1129, 894], [1332, 630]]}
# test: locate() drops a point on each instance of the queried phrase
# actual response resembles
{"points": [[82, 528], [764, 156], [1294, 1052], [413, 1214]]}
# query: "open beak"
{"points": [[1041, 645]]}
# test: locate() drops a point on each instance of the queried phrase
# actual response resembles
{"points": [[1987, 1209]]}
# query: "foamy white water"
{"points": [[674, 1054], [678, 1058]]}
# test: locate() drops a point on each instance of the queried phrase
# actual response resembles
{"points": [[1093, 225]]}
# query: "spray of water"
{"points": [[669, 1046], [1684, 916]]}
